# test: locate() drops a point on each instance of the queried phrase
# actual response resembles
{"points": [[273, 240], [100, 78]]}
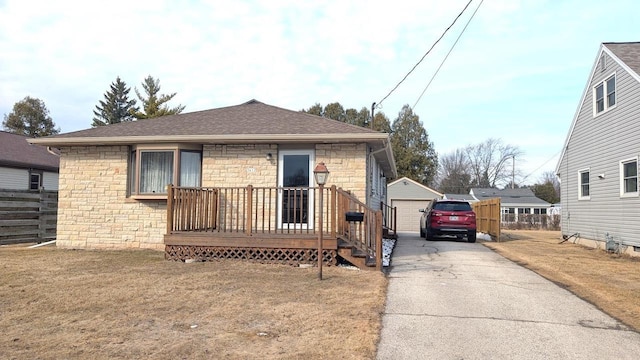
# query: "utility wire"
{"points": [[445, 58], [425, 55], [539, 167]]}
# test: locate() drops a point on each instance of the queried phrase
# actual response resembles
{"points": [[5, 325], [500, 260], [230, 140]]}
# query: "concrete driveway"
{"points": [[455, 300]]}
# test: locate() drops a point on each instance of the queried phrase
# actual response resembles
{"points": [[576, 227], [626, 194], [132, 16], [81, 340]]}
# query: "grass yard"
{"points": [[609, 281], [57, 304]]}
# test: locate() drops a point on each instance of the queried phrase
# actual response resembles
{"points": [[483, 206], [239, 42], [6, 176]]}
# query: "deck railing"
{"points": [[275, 211], [389, 216]]}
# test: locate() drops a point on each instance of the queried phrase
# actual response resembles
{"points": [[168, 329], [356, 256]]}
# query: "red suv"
{"points": [[448, 217]]}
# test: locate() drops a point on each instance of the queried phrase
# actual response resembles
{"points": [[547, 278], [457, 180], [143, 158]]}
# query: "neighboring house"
{"points": [[27, 167], [513, 202], [243, 184], [465, 197], [599, 161], [408, 197]]}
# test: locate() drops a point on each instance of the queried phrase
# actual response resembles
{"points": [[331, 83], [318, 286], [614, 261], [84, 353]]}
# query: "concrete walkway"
{"points": [[455, 300]]}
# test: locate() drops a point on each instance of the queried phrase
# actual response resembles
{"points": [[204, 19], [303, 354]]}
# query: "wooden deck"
{"points": [[273, 225]]}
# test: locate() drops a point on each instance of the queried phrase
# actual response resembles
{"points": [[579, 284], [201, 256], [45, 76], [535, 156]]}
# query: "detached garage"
{"points": [[409, 197]]}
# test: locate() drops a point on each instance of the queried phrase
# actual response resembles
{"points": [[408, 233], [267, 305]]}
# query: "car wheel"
{"points": [[471, 237], [429, 235]]}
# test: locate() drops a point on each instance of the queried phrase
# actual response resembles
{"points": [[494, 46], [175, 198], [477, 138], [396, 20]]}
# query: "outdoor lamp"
{"points": [[321, 173]]}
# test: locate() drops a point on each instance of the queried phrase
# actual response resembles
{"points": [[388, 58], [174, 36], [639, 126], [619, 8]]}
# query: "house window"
{"points": [[152, 169], [583, 183], [538, 211], [629, 177], [35, 180], [604, 95]]}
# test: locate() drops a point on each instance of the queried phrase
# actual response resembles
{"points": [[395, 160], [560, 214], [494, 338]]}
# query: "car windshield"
{"points": [[452, 206]]}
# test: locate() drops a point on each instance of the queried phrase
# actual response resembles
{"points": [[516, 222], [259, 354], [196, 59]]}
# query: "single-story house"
{"points": [[234, 182], [408, 197], [513, 202], [27, 167], [599, 161]]}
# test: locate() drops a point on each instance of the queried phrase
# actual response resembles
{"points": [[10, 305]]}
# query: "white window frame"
{"points": [[580, 196], [39, 174], [134, 167], [622, 179], [605, 95]]}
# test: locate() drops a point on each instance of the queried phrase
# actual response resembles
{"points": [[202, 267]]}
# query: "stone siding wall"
{"points": [[347, 164], [94, 211], [93, 208]]}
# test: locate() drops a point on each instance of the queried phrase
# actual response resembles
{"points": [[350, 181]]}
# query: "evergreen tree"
{"points": [[155, 104], [30, 117], [116, 106], [316, 109], [414, 153]]}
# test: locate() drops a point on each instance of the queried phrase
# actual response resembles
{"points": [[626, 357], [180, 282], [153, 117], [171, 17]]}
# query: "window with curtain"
{"points": [[151, 169], [156, 171], [190, 168]]}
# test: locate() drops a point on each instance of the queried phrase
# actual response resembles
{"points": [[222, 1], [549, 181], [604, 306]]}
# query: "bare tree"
{"points": [[489, 162], [454, 175]]}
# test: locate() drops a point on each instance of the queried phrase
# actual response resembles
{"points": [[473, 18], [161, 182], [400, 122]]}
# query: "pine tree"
{"points": [[30, 117], [116, 106], [415, 156], [154, 104]]}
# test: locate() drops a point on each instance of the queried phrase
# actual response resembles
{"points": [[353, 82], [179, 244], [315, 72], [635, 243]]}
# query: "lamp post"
{"points": [[321, 173]]}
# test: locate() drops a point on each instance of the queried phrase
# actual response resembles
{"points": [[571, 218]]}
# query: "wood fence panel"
{"points": [[488, 217], [27, 216]]}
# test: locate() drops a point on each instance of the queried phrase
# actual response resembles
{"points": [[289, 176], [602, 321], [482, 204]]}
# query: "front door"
{"points": [[295, 175]]}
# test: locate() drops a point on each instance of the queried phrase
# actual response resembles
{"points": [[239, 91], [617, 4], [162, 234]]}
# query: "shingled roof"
{"points": [[15, 151], [252, 120], [250, 123], [627, 52], [509, 197]]}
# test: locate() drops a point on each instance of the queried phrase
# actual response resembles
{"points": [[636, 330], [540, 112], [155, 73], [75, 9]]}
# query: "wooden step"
{"points": [[362, 263]]}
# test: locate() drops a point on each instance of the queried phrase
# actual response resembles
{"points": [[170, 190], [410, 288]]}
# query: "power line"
{"points": [[539, 167], [425, 55], [445, 58]]}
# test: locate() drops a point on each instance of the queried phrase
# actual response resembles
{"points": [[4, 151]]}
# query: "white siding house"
{"points": [[27, 167], [599, 162]]}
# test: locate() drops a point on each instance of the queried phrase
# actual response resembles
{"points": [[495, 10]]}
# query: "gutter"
{"points": [[211, 139]]}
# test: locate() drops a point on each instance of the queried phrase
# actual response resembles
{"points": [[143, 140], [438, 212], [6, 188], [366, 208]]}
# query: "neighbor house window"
{"points": [[153, 168], [629, 177], [583, 181], [604, 95], [35, 180]]}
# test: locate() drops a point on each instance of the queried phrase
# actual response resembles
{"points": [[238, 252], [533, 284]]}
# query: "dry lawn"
{"points": [[61, 304], [609, 281]]}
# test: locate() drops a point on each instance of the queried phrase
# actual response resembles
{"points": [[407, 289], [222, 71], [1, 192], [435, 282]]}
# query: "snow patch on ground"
{"points": [[483, 236], [387, 249]]}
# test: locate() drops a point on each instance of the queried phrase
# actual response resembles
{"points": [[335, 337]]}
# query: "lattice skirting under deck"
{"points": [[263, 255]]}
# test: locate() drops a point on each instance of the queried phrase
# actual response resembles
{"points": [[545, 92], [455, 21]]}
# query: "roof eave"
{"points": [[212, 139]]}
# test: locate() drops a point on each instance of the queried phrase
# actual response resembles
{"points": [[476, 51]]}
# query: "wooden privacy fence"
{"points": [[27, 216], [488, 217]]}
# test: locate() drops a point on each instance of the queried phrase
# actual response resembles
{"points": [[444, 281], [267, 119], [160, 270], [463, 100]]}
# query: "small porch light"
{"points": [[321, 173]]}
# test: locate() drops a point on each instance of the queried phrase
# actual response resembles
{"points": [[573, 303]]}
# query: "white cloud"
{"points": [[517, 72]]}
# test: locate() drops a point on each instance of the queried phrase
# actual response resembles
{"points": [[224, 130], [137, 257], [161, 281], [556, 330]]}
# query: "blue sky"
{"points": [[517, 72]]}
